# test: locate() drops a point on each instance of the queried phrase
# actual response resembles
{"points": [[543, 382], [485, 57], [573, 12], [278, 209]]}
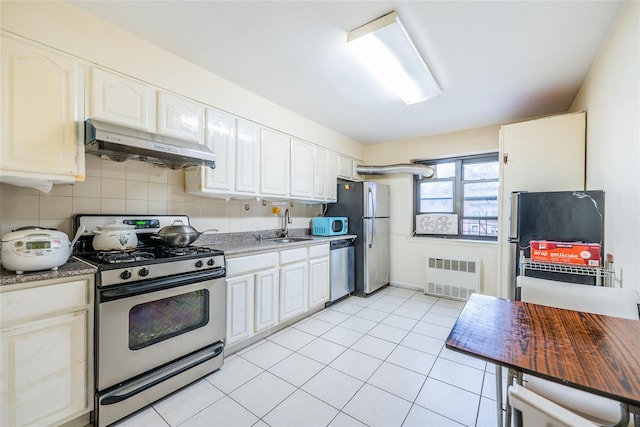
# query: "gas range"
{"points": [[148, 260]]}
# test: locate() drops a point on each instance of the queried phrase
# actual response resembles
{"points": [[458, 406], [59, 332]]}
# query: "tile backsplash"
{"points": [[138, 188]]}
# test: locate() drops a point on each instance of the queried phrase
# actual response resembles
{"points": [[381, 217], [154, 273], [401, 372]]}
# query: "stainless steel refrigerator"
{"points": [[366, 204], [564, 216]]}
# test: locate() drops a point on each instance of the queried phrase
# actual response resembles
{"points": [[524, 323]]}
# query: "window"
{"points": [[461, 199]]}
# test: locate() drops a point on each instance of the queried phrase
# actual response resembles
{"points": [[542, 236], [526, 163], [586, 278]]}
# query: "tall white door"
{"points": [[546, 154], [221, 139], [247, 157], [274, 163]]}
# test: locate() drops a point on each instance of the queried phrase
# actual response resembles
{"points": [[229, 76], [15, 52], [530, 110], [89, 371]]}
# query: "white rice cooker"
{"points": [[34, 248]]}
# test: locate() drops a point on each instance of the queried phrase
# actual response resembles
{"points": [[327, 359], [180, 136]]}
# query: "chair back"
{"points": [[615, 302], [540, 412]]}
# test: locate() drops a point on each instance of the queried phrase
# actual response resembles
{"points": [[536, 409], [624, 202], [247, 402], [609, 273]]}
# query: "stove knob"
{"points": [[125, 275], [144, 271], [199, 264], [211, 262]]}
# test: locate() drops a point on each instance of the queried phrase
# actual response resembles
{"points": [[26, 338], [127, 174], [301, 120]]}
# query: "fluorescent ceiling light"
{"points": [[385, 48]]}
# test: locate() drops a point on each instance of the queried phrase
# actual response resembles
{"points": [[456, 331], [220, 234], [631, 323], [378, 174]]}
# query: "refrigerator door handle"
{"points": [[373, 211], [513, 217]]}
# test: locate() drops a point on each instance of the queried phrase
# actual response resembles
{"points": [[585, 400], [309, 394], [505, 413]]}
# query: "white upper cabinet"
{"points": [[247, 157], [180, 117], [320, 181], [332, 176], [221, 139], [41, 114], [119, 99], [354, 175], [345, 167], [302, 162], [274, 163]]}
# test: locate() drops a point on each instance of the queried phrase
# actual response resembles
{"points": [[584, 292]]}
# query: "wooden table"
{"points": [[595, 353]]}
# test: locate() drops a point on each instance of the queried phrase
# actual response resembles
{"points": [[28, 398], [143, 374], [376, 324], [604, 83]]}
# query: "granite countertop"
{"points": [[231, 243], [71, 269], [243, 243]]}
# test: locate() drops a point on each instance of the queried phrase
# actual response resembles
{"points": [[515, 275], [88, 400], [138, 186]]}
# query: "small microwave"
{"points": [[329, 226]]}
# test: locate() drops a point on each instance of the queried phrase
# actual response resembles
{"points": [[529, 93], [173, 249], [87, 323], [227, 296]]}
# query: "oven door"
{"points": [[142, 327]]}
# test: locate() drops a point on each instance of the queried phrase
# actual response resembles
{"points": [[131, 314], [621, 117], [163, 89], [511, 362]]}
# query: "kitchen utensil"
{"points": [[179, 234], [35, 248], [115, 236]]}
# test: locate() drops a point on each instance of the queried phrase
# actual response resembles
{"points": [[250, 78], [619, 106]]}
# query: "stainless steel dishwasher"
{"points": [[342, 268]]}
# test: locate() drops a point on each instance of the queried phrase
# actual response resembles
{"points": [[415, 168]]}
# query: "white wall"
{"points": [[408, 252], [611, 97]]}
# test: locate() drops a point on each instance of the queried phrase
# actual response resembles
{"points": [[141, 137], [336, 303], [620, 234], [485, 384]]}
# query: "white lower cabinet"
{"points": [[267, 289], [239, 308], [47, 352], [319, 275], [252, 295], [294, 283], [266, 299]]}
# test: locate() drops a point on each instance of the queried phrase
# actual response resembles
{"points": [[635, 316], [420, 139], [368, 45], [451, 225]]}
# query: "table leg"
{"points": [[507, 408], [499, 395]]}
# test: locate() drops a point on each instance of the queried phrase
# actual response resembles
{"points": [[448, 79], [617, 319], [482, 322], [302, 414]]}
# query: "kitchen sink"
{"points": [[290, 239]]}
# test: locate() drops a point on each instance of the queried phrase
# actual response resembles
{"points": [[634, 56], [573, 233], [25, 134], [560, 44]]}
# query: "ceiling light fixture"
{"points": [[384, 46]]}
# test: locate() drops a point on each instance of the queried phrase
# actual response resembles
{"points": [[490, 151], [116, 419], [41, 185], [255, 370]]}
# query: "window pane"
{"points": [[480, 227], [436, 189], [481, 189], [436, 196], [481, 208], [445, 170], [436, 205], [475, 171]]}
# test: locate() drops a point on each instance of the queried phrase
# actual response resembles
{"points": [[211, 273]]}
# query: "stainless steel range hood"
{"points": [[119, 143]]}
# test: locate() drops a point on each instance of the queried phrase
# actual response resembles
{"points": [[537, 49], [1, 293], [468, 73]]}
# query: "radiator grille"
{"points": [[452, 278]]}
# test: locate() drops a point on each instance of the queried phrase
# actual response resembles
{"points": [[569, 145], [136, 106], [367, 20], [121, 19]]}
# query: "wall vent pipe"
{"points": [[410, 168]]}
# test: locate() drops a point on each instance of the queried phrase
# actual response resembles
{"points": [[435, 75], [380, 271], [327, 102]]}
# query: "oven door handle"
{"points": [[110, 294], [111, 400]]}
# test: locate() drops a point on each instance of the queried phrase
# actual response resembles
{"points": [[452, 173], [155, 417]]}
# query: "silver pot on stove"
{"points": [[179, 235]]}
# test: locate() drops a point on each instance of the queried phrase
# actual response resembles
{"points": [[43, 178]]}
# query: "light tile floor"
{"points": [[376, 361]]}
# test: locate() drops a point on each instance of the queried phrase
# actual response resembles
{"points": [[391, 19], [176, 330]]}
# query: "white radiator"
{"points": [[452, 278]]}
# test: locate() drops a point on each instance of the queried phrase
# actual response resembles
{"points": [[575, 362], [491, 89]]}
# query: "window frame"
{"points": [[458, 184]]}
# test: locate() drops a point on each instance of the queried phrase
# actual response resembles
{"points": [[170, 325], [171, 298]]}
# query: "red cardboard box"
{"points": [[575, 253]]}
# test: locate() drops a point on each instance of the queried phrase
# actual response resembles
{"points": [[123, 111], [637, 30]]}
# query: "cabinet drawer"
{"points": [[42, 300], [293, 255], [318, 251], [243, 265]]}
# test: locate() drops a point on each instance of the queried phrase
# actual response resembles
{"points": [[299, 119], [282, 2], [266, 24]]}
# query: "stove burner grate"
{"points": [[117, 257], [188, 250]]}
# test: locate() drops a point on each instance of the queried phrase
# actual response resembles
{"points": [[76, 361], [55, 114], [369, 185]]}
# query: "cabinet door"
{"points": [[40, 113], [294, 284], [319, 276], [266, 299], [302, 163], [239, 308], [345, 166], [354, 166], [122, 100], [319, 173], [248, 157], [221, 139], [44, 371], [180, 117], [332, 176], [274, 163]]}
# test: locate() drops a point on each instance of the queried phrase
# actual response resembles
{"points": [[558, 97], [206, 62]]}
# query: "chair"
{"points": [[593, 299], [538, 411]]}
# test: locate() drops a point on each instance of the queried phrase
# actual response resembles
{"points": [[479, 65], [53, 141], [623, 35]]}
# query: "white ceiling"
{"points": [[496, 61]]}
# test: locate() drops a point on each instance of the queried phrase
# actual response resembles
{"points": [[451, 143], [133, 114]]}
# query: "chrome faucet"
{"points": [[286, 220]]}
